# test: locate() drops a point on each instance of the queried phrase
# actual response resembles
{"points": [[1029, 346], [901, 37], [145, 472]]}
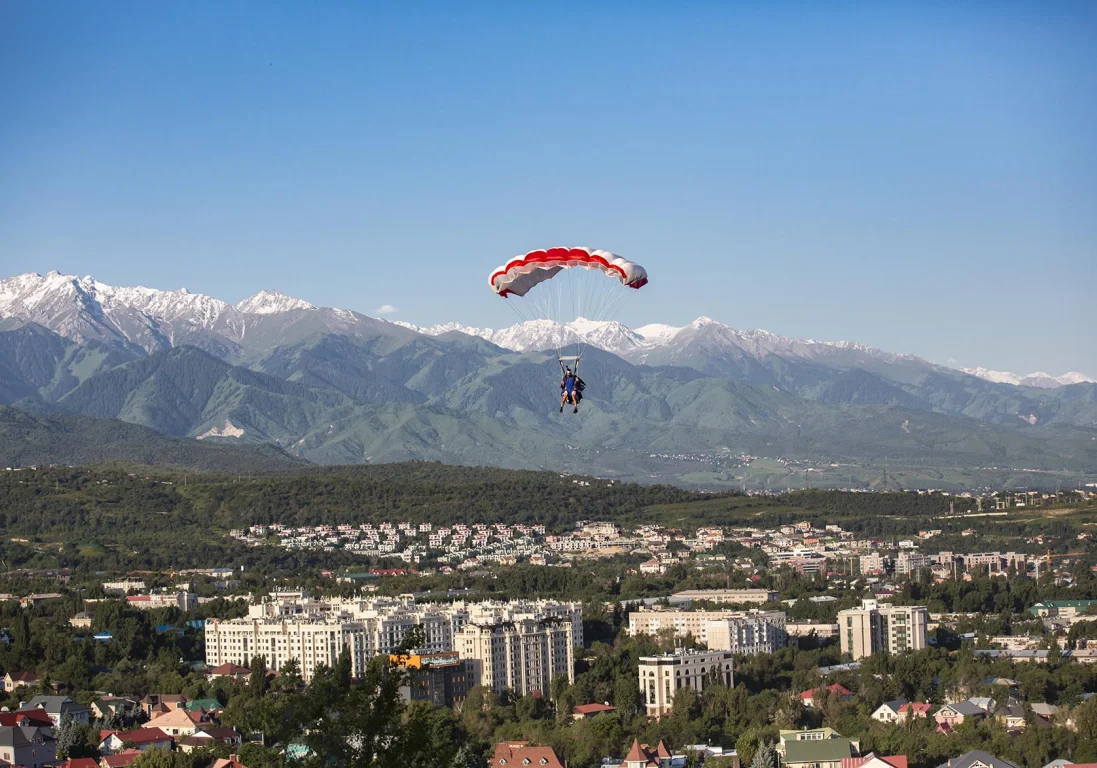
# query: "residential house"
{"points": [[13, 680], [121, 760], [835, 689], [33, 717], [519, 754], [60, 706], [823, 753], [158, 703], [207, 737], [808, 734], [643, 756], [211, 707], [108, 706], [232, 761], [27, 746], [82, 620], [1044, 714], [914, 709], [116, 742], [179, 722], [1012, 716], [977, 758], [79, 762], [950, 716], [235, 671], [888, 712], [871, 760], [583, 711]]}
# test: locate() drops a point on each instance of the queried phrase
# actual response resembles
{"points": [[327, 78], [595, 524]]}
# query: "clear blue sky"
{"points": [[921, 177]]}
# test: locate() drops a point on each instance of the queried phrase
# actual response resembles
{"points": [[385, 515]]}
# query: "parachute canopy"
{"points": [[592, 294], [523, 273]]}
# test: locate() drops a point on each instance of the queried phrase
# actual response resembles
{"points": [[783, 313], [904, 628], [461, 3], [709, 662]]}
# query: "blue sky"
{"points": [[921, 177]]}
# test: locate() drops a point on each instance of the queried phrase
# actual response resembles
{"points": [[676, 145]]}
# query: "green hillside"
{"points": [[29, 440]]}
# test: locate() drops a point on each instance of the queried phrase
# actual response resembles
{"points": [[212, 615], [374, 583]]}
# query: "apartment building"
{"points": [[907, 562], [662, 676], [312, 641], [293, 625], [882, 628], [728, 596], [760, 633], [735, 631], [523, 656]]}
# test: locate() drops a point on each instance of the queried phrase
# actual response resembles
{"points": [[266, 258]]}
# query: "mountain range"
{"points": [[689, 404]]}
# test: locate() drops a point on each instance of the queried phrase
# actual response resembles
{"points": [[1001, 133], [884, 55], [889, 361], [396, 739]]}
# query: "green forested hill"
{"points": [[395, 395], [27, 440]]}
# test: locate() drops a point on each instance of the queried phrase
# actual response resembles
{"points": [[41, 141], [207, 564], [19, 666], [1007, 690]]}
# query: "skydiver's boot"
{"points": [[561, 407], [575, 409]]}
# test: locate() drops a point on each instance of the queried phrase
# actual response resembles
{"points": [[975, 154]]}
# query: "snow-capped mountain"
{"points": [[84, 309], [535, 335], [1037, 379], [271, 302]]}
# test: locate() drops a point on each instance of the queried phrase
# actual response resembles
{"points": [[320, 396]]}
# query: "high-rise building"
{"points": [[523, 656], [662, 676], [882, 628]]}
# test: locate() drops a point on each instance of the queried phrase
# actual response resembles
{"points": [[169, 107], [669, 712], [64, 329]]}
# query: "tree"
{"points": [[258, 682], [764, 757], [626, 695], [20, 631], [68, 737]]}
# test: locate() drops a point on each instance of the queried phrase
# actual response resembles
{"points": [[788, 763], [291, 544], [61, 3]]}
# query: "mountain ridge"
{"points": [[84, 309]]}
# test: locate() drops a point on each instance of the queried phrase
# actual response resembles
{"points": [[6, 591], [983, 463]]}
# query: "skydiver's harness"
{"points": [[579, 385]]}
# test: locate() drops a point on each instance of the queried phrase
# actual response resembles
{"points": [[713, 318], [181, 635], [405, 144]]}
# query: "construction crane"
{"points": [[1049, 557]]}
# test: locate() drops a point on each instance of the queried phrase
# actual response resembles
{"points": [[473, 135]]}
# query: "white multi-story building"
{"points": [[523, 656], [761, 633], [729, 595], [882, 628], [662, 676], [872, 563], [311, 641], [735, 631], [379, 624], [909, 562]]}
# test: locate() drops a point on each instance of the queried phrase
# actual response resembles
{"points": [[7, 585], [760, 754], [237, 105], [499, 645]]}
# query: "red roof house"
{"points": [[514, 754], [872, 761], [643, 756], [835, 689], [121, 760], [590, 710]]}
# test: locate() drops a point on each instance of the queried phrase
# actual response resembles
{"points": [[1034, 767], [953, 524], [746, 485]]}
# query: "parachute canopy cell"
{"points": [[523, 273]]}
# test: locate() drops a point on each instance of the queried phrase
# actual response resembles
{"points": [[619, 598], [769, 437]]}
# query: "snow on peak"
{"points": [[998, 377], [442, 328], [271, 302], [1037, 379], [657, 332]]}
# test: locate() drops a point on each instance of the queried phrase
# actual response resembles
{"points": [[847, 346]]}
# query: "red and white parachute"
{"points": [[565, 285], [519, 275]]}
